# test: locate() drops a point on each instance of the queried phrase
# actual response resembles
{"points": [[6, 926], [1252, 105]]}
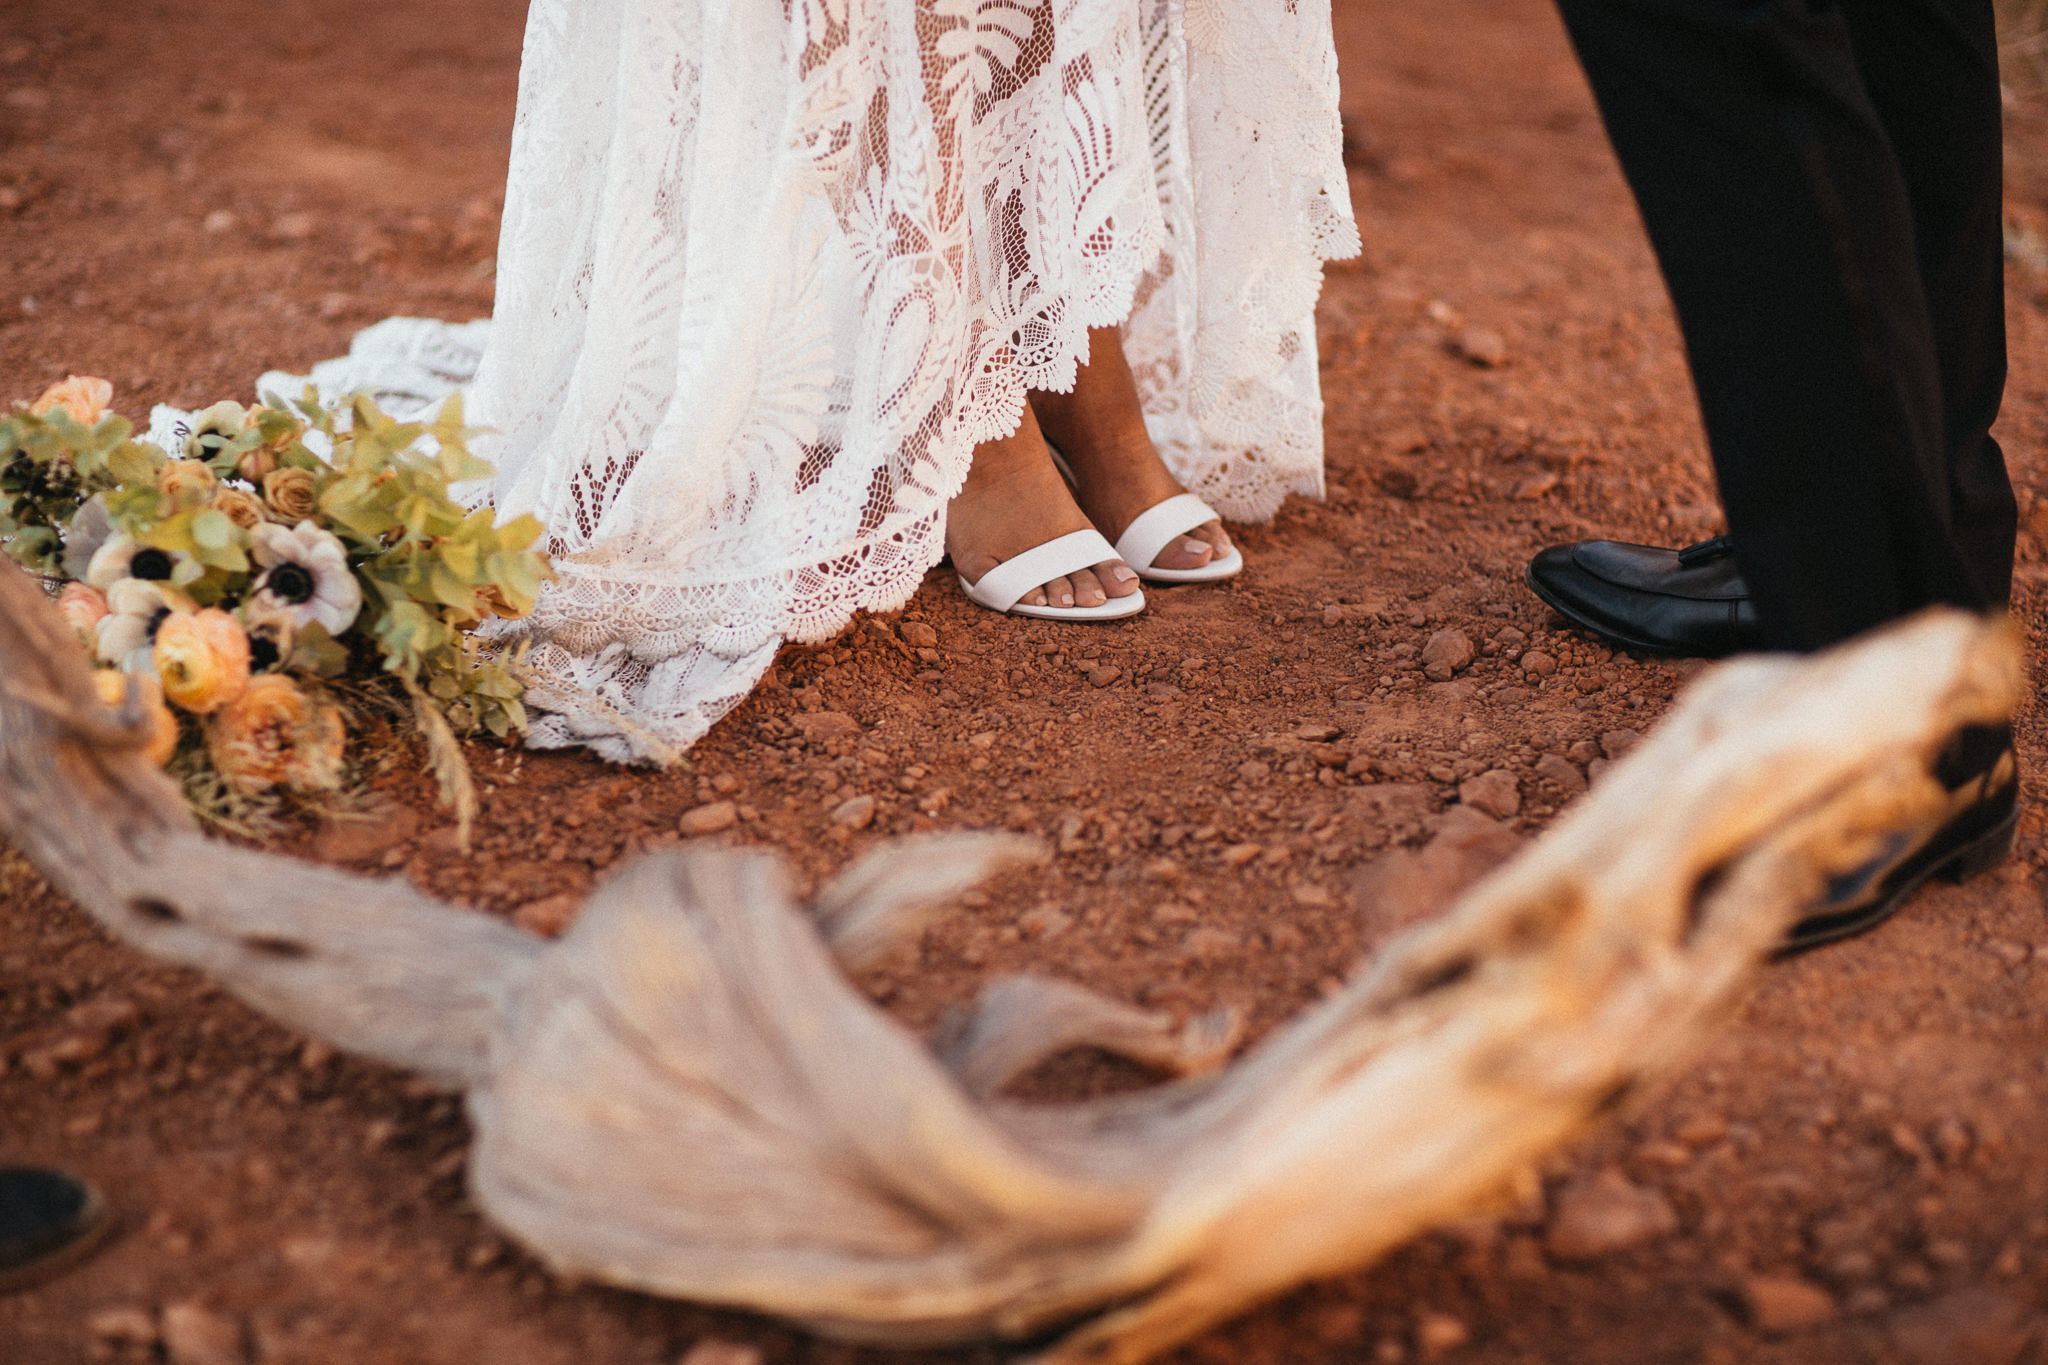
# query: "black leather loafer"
{"points": [[48, 1220], [1981, 773], [1690, 601]]}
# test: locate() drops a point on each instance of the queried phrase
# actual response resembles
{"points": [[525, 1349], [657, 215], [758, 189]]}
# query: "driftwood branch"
{"points": [[684, 1094]]}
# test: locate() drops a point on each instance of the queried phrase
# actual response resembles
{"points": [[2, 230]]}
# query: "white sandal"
{"points": [[1003, 587], [1158, 526]]}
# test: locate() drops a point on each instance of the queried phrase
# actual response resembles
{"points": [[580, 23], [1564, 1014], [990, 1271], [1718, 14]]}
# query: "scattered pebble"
{"points": [[1777, 1304], [1615, 743], [548, 916], [823, 727], [1494, 793], [1436, 1333], [122, 1325], [1254, 771], [1561, 771], [1237, 855], [1537, 664], [1447, 652], [855, 812], [709, 819], [1103, 677], [1603, 1214], [918, 635], [1535, 486], [193, 1335], [1482, 346], [1210, 944]]}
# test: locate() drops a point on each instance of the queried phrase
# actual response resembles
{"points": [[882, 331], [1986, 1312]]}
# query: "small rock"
{"points": [[1615, 743], [549, 915], [198, 1336], [1209, 944], [725, 784], [1312, 896], [1537, 664], [1777, 1304], [122, 1325], [823, 727], [1254, 771], [1535, 486], [1316, 734], [104, 1015], [712, 1352], [1237, 855], [1980, 1325], [1604, 1214], [1494, 793], [1482, 346], [1436, 1333], [294, 227], [220, 220], [918, 635], [1562, 772], [935, 801], [353, 841], [855, 812], [1447, 652], [1045, 922], [709, 819], [1103, 677], [1163, 691]]}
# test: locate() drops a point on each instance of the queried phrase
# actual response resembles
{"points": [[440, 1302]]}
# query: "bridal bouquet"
{"points": [[261, 585]]}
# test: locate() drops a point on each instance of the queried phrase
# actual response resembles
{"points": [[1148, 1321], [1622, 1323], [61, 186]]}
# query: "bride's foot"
{"points": [[1099, 429], [1014, 501]]}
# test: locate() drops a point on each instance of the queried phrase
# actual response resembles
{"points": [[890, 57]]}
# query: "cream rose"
{"points": [[275, 735], [112, 687], [186, 482], [240, 506], [83, 607], [84, 398], [291, 494], [203, 659]]}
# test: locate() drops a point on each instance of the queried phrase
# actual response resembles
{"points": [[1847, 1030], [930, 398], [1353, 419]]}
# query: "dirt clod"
{"points": [[709, 819], [194, 1335], [1594, 1217], [1495, 793], [1778, 1304]]}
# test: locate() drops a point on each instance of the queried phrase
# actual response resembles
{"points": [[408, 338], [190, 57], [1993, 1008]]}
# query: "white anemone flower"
{"points": [[121, 557], [125, 637], [306, 574]]}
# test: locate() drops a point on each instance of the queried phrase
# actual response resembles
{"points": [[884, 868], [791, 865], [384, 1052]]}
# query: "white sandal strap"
{"points": [[1157, 526], [1005, 585]]}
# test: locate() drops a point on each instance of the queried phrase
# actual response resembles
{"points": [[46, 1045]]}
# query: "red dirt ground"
{"points": [[193, 193]]}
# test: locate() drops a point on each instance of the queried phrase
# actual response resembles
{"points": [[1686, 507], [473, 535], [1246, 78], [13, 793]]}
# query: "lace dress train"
{"points": [[770, 272]]}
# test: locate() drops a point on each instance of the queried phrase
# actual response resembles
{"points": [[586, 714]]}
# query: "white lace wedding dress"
{"points": [[771, 269]]}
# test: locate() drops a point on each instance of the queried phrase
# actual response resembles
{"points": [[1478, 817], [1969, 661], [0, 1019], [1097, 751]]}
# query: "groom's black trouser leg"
{"points": [[1821, 182]]}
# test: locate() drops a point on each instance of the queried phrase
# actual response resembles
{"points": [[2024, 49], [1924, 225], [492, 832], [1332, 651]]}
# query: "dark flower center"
{"points": [[262, 652], [154, 565], [157, 618], [290, 583]]}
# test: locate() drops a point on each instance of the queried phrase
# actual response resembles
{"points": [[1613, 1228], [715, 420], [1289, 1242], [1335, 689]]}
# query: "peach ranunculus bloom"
{"points": [[275, 735], [241, 507], [186, 482], [112, 686], [81, 396], [202, 658], [83, 607]]}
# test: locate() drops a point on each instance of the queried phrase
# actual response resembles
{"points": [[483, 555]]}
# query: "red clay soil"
{"points": [[1238, 782]]}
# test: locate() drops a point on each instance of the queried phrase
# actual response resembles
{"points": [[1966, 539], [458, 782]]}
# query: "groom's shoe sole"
{"points": [[1651, 600], [1976, 839]]}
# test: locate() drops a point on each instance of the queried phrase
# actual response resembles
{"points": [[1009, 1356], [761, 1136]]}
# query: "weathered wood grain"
{"points": [[686, 1096]]}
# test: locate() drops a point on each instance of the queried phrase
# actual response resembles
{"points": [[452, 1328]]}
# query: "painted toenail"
{"points": [[1124, 573]]}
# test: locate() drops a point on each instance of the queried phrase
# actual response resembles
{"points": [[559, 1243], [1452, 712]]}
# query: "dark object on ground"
{"points": [[1981, 773], [48, 1219], [1691, 601]]}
